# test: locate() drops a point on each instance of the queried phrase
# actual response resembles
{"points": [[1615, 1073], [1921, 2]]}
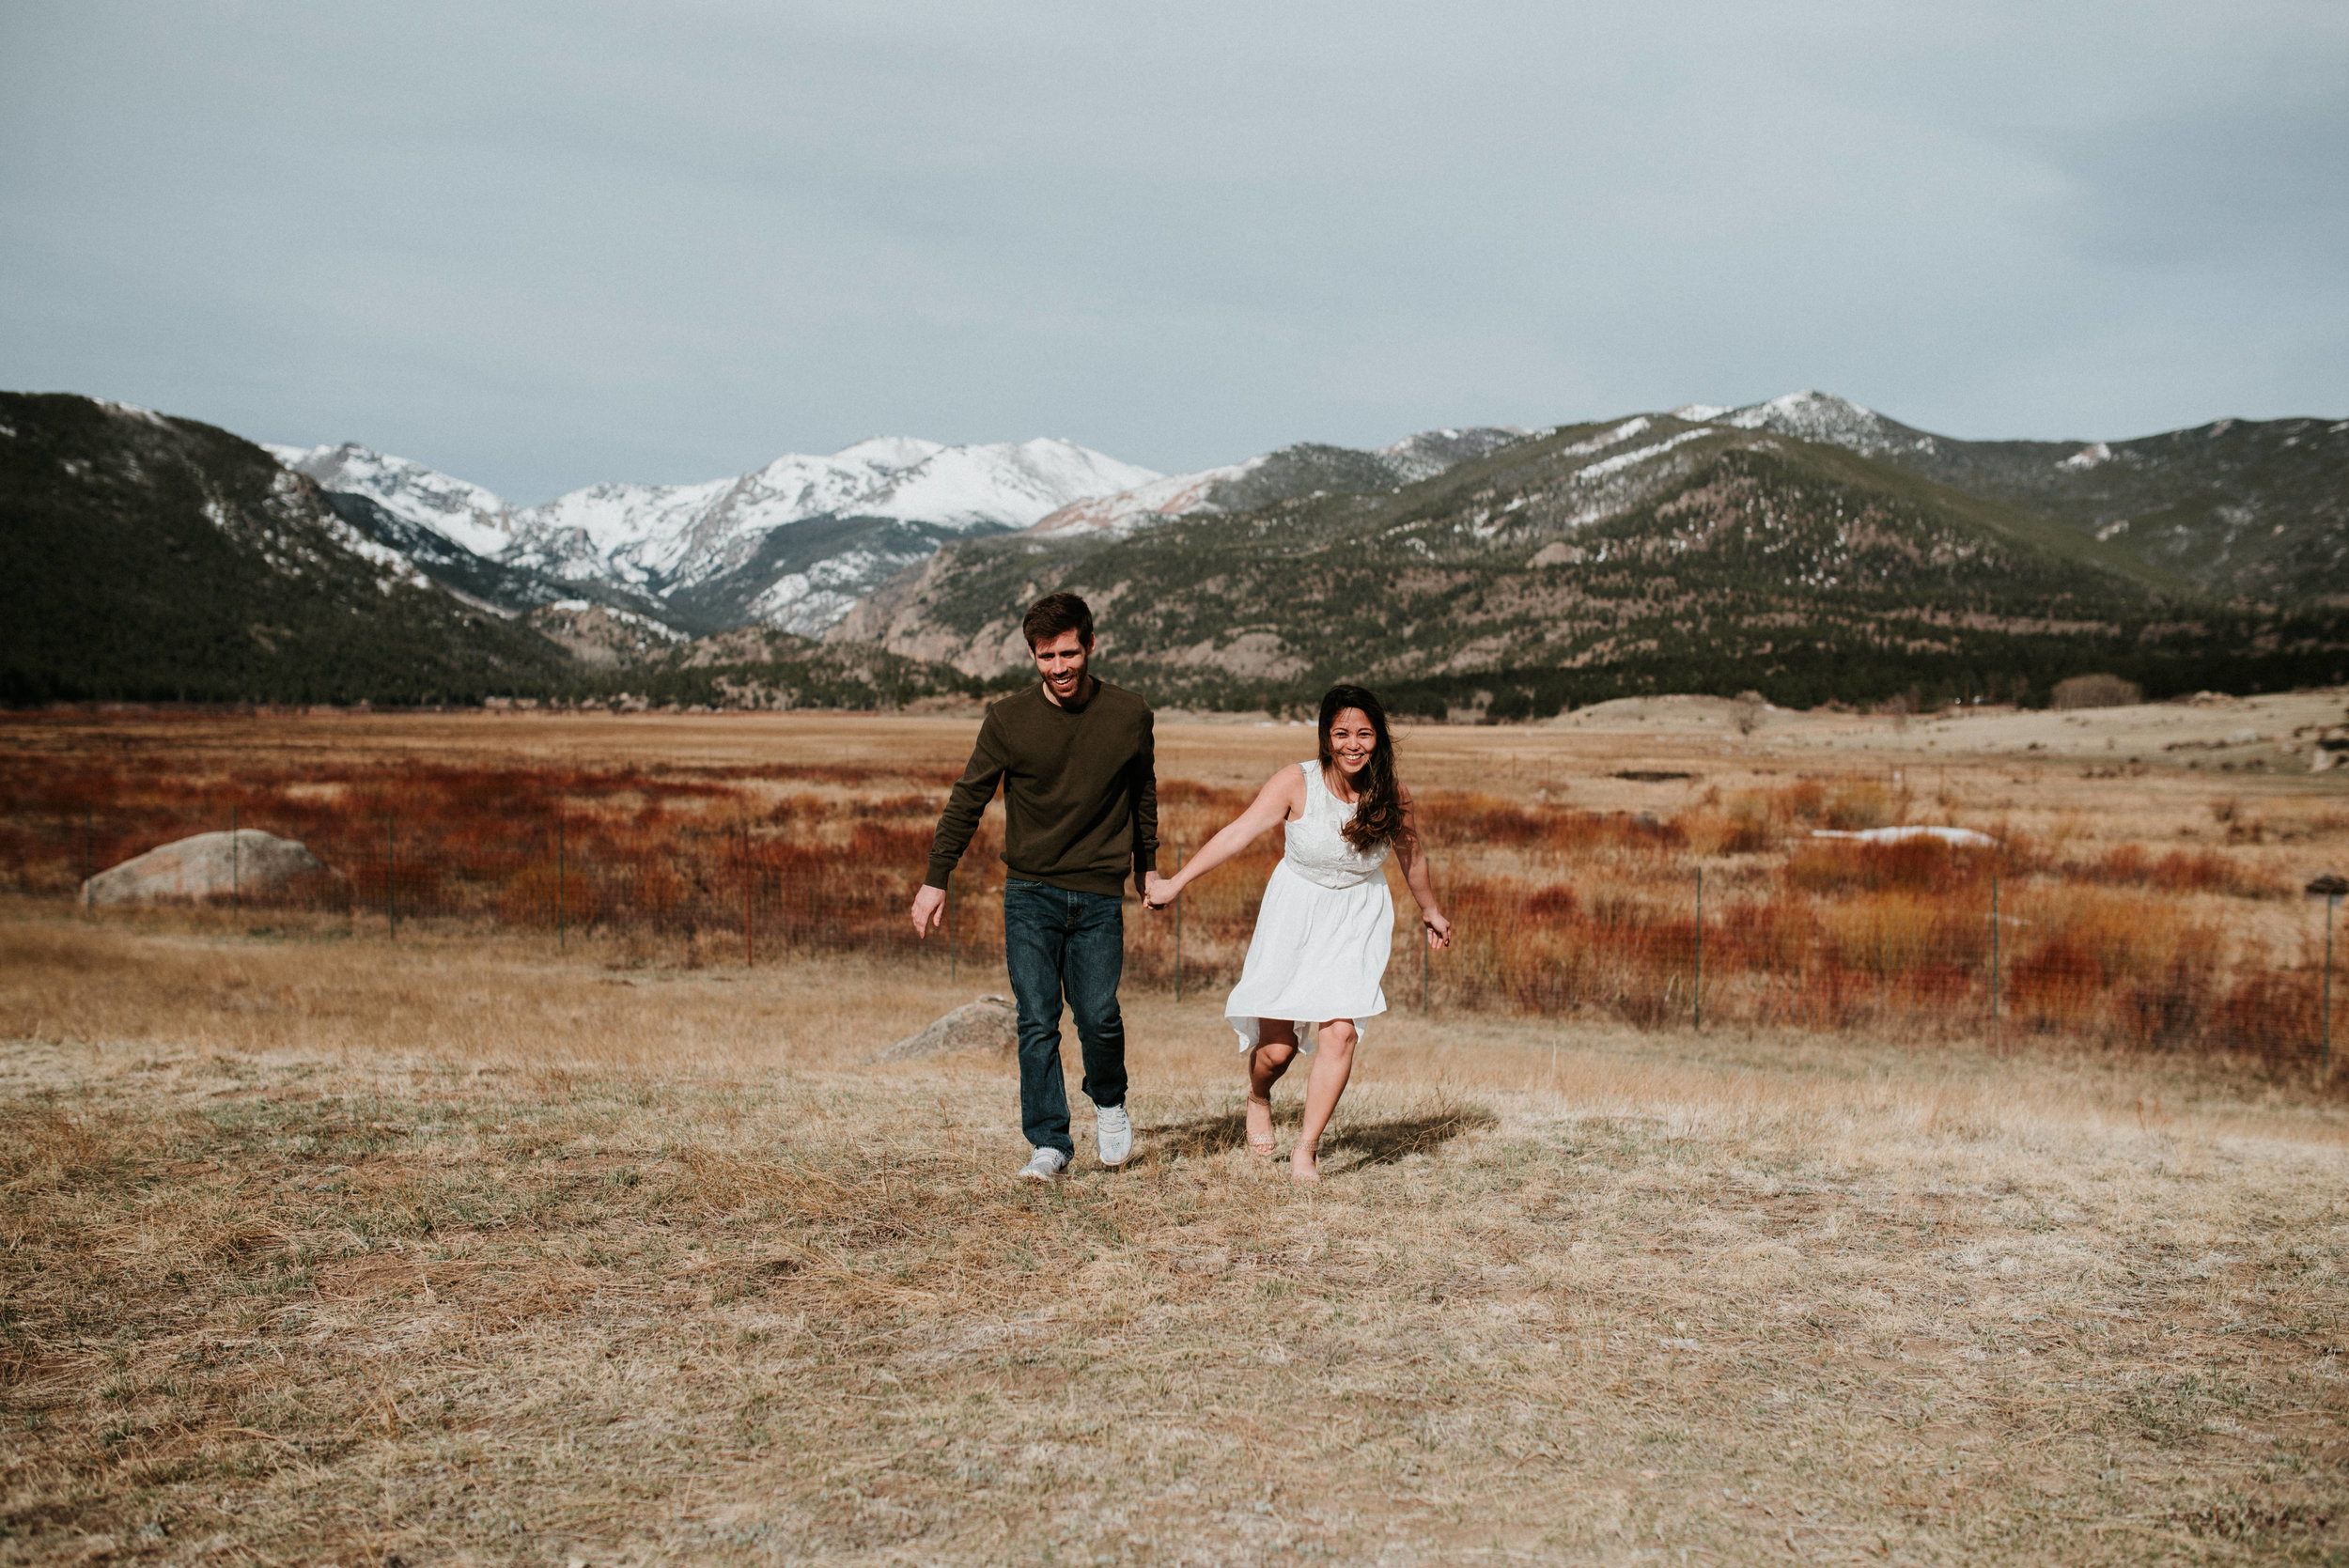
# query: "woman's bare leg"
{"points": [[1276, 1048], [1333, 1064]]}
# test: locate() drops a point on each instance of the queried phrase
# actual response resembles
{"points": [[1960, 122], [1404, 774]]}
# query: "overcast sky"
{"points": [[540, 245]]}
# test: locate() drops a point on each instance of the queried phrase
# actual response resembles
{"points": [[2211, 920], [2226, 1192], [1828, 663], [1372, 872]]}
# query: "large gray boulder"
{"points": [[208, 866], [990, 1024]]}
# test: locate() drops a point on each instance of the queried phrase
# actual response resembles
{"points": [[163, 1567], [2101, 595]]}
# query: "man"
{"points": [[1081, 813]]}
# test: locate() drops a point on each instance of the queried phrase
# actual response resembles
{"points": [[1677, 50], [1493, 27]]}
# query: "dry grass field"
{"points": [[323, 1248]]}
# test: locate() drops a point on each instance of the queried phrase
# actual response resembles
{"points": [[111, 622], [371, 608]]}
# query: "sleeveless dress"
{"points": [[1323, 931]]}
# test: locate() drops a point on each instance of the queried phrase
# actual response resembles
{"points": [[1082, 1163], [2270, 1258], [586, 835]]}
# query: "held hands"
{"points": [[1157, 892], [1437, 928], [929, 910]]}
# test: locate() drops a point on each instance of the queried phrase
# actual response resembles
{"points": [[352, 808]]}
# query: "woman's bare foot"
{"points": [[1260, 1126], [1304, 1169]]}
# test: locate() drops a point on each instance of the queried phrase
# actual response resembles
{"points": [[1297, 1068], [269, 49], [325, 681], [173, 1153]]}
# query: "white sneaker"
{"points": [[1044, 1165], [1113, 1133]]}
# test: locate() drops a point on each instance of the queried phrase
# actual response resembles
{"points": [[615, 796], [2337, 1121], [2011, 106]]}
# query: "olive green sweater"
{"points": [[1081, 791]]}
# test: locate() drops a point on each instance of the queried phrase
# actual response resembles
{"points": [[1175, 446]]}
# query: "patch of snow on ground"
{"points": [[1965, 836], [2087, 457]]}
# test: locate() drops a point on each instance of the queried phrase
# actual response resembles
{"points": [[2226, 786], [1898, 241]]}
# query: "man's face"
{"points": [[1061, 660]]}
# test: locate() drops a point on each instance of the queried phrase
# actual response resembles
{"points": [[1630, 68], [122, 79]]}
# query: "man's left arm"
{"points": [[1146, 768]]}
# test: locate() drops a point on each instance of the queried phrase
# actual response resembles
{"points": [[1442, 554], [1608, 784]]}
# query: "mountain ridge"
{"points": [[714, 542], [151, 558], [797, 542], [1702, 551], [1280, 474], [1805, 540], [2250, 508]]}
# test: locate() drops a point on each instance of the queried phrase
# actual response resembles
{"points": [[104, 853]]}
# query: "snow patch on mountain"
{"points": [[626, 617], [392, 568], [1304, 468], [1428, 453], [1605, 439], [1822, 416], [965, 486], [641, 536], [810, 601], [1606, 466], [1168, 497]]}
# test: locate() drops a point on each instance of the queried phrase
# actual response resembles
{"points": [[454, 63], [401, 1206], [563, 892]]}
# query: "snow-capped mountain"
{"points": [[462, 513], [1819, 416], [791, 544], [1292, 470]]}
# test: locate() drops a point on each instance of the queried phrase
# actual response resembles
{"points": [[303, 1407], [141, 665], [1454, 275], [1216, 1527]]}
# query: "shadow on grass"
{"points": [[1384, 1143], [1199, 1136], [1375, 1142]]}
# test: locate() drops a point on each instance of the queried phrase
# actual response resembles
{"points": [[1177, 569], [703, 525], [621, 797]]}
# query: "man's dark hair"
{"points": [[1054, 614]]}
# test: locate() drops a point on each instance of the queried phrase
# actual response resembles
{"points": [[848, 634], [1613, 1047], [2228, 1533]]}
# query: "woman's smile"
{"points": [[1352, 739]]}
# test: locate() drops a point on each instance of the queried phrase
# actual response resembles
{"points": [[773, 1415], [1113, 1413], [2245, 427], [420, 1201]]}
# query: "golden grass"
{"points": [[462, 1251]]}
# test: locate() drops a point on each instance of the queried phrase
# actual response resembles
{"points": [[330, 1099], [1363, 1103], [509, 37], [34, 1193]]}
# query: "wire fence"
{"points": [[1736, 914]]}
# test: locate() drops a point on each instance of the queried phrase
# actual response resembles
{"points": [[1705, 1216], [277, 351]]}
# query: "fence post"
{"points": [[391, 884], [89, 855], [1178, 934], [1697, 998], [1994, 955], [953, 955], [1423, 973], [2331, 901], [236, 867], [746, 894], [561, 934]]}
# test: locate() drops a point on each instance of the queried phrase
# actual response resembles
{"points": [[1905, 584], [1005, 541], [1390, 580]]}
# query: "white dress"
{"points": [[1323, 932]]}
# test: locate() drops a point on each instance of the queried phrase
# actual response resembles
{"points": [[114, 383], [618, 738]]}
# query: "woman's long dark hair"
{"points": [[1378, 811]]}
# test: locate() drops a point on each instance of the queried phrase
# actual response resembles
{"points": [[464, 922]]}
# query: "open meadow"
{"points": [[1906, 1200]]}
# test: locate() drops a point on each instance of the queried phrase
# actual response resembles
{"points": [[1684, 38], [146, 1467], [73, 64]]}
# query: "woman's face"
{"points": [[1352, 739]]}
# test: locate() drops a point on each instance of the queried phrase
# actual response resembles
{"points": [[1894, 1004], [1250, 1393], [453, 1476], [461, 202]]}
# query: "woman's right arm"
{"points": [[1282, 797]]}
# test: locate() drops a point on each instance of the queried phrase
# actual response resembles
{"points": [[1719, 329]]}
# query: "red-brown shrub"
{"points": [[1910, 865], [1598, 913], [2176, 871]]}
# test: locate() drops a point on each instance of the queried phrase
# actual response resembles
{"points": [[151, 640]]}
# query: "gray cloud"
{"points": [[540, 245]]}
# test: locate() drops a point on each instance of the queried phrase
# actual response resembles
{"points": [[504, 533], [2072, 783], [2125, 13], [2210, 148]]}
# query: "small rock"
{"points": [[991, 1023], [210, 865]]}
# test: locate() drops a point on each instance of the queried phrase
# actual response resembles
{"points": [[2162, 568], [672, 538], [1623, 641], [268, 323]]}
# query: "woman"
{"points": [[1326, 922]]}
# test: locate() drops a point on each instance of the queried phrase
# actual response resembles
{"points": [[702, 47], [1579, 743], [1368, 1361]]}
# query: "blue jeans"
{"points": [[1059, 943]]}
